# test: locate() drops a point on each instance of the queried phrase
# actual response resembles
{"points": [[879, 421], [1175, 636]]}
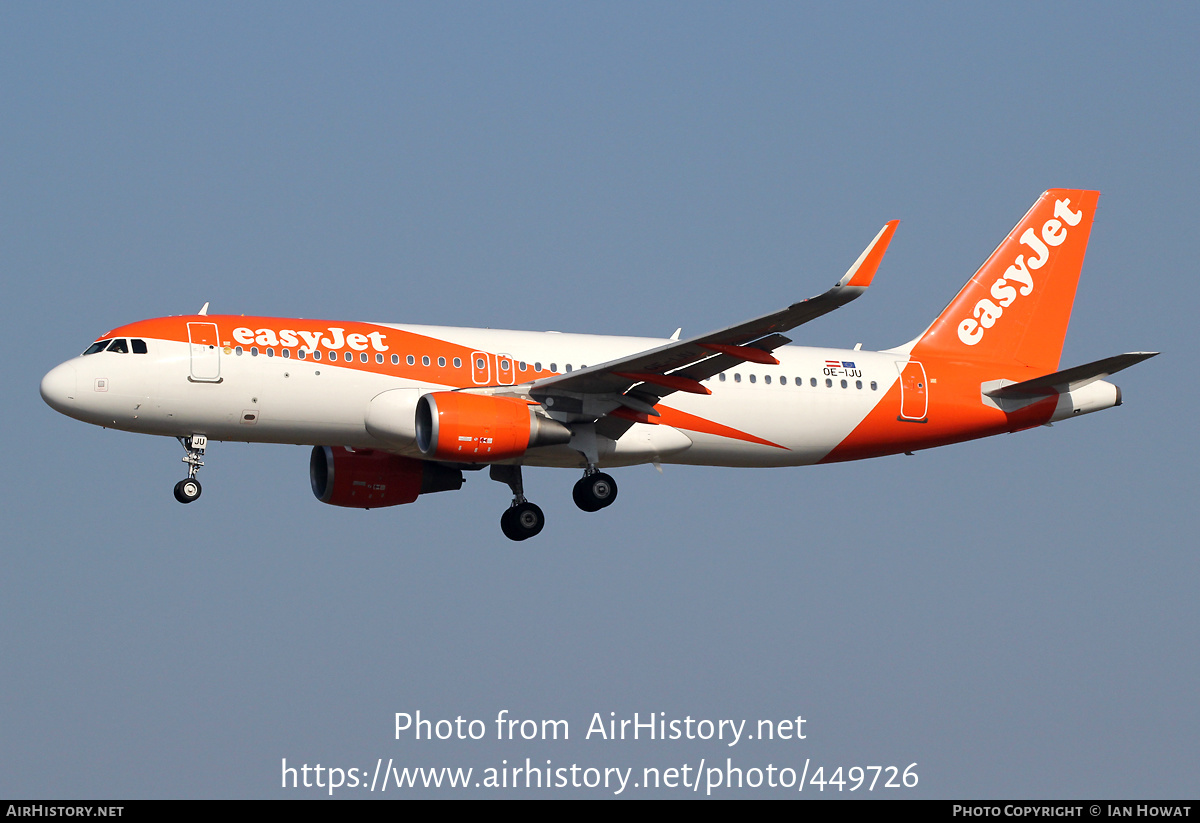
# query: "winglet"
{"points": [[864, 268], [203, 310]]}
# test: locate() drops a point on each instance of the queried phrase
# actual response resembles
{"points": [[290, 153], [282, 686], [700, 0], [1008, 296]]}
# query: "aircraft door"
{"points": [[205, 345], [914, 391], [506, 371], [481, 369]]}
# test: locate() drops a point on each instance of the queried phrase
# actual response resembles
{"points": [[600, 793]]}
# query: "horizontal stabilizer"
{"points": [[1071, 379]]}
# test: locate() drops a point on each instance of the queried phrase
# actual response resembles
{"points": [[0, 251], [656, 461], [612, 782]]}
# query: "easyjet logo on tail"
{"points": [[1018, 279]]}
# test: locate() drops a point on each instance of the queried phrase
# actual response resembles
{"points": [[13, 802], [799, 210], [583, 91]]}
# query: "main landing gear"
{"points": [[594, 491], [188, 489], [522, 520]]}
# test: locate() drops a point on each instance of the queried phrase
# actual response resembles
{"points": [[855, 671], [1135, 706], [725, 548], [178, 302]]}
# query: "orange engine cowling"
{"points": [[481, 428], [369, 479]]}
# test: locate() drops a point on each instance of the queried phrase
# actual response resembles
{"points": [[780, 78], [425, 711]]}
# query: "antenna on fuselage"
{"points": [[203, 310]]}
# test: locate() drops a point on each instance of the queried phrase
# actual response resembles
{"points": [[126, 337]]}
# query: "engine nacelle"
{"points": [[371, 479], [481, 428]]}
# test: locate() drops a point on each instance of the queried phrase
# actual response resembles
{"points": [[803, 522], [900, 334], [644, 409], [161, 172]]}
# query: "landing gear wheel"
{"points": [[187, 490], [522, 521], [594, 492]]}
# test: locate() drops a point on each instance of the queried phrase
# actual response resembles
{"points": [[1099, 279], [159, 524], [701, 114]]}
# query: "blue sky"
{"points": [[1017, 615]]}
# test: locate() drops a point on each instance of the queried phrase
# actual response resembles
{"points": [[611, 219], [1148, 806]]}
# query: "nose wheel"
{"points": [[188, 489], [594, 491]]}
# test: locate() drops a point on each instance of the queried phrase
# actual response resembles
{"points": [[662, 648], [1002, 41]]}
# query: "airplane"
{"points": [[396, 411]]}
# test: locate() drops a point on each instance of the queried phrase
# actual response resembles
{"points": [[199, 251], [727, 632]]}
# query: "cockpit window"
{"points": [[119, 345]]}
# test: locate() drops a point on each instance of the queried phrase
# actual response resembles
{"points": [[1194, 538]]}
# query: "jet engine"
{"points": [[480, 428], [367, 479]]}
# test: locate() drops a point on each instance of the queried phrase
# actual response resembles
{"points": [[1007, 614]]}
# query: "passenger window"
{"points": [[722, 377], [753, 379], [237, 350], [537, 366], [553, 367], [767, 379], [828, 383], [845, 384], [425, 360], [782, 380], [287, 353], [410, 360], [139, 346], [441, 362], [458, 362], [568, 368], [254, 351], [301, 353], [395, 360], [737, 378], [119, 346], [349, 357], [316, 354], [379, 358], [812, 381], [270, 352], [480, 363], [504, 365], [858, 384], [874, 386], [362, 358], [522, 366]]}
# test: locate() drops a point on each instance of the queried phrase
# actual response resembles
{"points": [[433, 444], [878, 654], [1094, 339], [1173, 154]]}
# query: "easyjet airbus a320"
{"points": [[396, 411]]}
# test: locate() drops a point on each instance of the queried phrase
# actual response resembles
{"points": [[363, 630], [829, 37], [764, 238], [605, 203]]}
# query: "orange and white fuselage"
{"points": [[797, 413], [737, 397]]}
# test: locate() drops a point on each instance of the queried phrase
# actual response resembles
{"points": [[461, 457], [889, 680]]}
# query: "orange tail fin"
{"points": [[1017, 306]]}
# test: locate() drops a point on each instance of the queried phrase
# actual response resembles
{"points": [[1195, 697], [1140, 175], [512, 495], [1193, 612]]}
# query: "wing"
{"points": [[639, 381]]}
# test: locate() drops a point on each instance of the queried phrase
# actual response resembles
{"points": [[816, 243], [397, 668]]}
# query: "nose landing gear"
{"points": [[188, 489]]}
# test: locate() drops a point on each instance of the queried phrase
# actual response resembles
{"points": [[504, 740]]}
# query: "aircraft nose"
{"points": [[58, 387]]}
